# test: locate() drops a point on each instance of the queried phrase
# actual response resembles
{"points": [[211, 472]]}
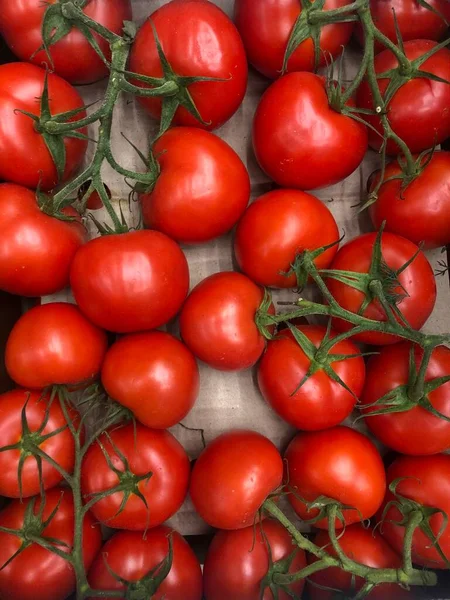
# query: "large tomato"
{"points": [[54, 344], [341, 464], [421, 211], [233, 476], [217, 321], [299, 140], [199, 40], [415, 431], [154, 375], [21, 27], [425, 480], [130, 282], [277, 227], [24, 156], [131, 556], [202, 189], [148, 452], [238, 561], [321, 402], [36, 250], [418, 112], [364, 546], [416, 290], [37, 573]]}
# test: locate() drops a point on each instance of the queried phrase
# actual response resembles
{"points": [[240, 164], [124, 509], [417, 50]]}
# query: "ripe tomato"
{"points": [[415, 431], [233, 476], [43, 417], [419, 128], [266, 26], [36, 250], [37, 573], [417, 289], [154, 375], [21, 27], [421, 212], [148, 452], [132, 556], [277, 227], [321, 402], [202, 190], [217, 321], [364, 546], [338, 463], [206, 44], [425, 480], [24, 156], [296, 133], [237, 562], [54, 344], [130, 282]]}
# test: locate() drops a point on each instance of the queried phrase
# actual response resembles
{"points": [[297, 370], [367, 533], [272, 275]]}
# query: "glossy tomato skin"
{"points": [[421, 212], [321, 402], [36, 250], [237, 562], [278, 226], [233, 476], [217, 321], [24, 157], [131, 556], [37, 572], [202, 189], [147, 450], [130, 282], [417, 280], [154, 375], [296, 133], [21, 28], [424, 479], [54, 344], [364, 546], [199, 40], [266, 26], [338, 463], [415, 431], [418, 112]]}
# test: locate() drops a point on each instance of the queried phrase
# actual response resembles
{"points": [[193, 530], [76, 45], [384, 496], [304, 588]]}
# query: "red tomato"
{"points": [[131, 556], [24, 156], [130, 282], [199, 40], [21, 26], [321, 402], [299, 140], [266, 25], [418, 112], [338, 463], [36, 250], [415, 431], [202, 190], [366, 547], [425, 480], [233, 476], [147, 452], [238, 561], [154, 375], [217, 321], [421, 212], [277, 227], [417, 287], [54, 344], [37, 573]]}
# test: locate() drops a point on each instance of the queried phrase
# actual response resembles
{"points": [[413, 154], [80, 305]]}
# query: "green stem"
{"points": [[326, 16], [288, 578], [418, 389], [414, 521], [74, 13]]}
